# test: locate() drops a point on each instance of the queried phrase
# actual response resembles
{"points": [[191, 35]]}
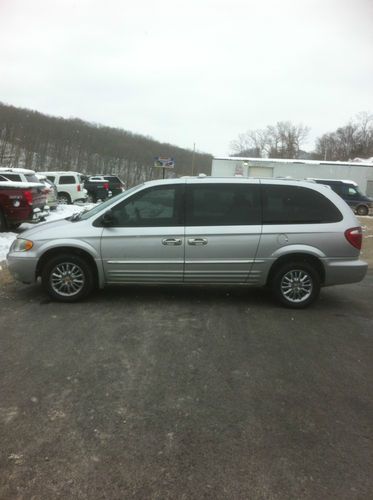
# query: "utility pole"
{"points": [[194, 152]]}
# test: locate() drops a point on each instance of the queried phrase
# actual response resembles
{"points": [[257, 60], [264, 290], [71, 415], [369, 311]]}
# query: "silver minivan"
{"points": [[292, 236]]}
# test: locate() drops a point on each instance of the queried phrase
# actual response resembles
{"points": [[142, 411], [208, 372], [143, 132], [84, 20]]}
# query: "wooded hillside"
{"points": [[30, 139]]}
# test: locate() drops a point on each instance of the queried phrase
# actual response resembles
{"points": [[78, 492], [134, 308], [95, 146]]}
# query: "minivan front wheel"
{"points": [[67, 278], [296, 285]]}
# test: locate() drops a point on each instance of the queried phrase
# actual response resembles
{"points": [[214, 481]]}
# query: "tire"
{"points": [[15, 225], [362, 210], [64, 199], [296, 285], [67, 278], [3, 224], [91, 199]]}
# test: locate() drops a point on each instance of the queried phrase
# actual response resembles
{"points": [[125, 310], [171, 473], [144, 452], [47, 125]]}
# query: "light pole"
{"points": [[194, 152]]}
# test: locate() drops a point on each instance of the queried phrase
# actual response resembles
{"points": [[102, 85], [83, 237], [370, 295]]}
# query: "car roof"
{"points": [[16, 170], [63, 172]]}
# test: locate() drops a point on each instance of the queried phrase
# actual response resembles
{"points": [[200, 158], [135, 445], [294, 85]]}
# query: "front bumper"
{"points": [[22, 267]]}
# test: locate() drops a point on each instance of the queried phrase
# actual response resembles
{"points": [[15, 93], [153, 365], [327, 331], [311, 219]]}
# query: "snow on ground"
{"points": [[61, 212]]}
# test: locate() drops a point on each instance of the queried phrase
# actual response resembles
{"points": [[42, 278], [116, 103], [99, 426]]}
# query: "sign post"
{"points": [[163, 163]]}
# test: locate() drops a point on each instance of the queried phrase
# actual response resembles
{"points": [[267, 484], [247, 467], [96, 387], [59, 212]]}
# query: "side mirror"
{"points": [[108, 218]]}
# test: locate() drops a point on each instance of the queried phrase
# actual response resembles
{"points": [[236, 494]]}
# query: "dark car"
{"points": [[350, 192], [97, 188], [21, 202], [116, 185]]}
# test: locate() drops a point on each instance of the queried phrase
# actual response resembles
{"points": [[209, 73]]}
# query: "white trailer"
{"points": [[361, 173]]}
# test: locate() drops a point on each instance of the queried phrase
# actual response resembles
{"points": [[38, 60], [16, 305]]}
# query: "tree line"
{"points": [[30, 139], [285, 139]]}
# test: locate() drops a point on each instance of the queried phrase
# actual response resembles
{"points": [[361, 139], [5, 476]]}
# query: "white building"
{"points": [[361, 173]]}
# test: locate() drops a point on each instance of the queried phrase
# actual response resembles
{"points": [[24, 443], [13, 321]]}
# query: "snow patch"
{"points": [[61, 212]]}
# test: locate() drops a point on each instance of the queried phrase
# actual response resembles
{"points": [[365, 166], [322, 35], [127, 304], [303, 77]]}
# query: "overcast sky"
{"points": [[196, 71]]}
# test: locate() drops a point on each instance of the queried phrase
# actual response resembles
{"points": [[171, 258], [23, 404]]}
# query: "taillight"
{"points": [[354, 236], [106, 185], [28, 196], [79, 187]]}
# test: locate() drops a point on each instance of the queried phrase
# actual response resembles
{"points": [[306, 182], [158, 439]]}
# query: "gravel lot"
{"points": [[186, 393]]}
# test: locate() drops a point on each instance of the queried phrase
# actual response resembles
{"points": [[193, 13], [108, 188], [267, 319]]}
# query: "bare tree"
{"points": [[282, 140], [348, 142]]}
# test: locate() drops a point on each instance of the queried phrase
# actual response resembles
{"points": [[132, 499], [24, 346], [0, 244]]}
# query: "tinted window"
{"points": [[223, 205], [112, 179], [296, 205], [67, 179], [13, 177], [154, 207], [51, 177]]}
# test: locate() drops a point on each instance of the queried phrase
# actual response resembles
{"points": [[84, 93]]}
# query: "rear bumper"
{"points": [[339, 272]]}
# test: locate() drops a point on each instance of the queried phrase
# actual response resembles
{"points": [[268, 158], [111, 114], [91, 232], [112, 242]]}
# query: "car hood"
{"points": [[60, 225]]}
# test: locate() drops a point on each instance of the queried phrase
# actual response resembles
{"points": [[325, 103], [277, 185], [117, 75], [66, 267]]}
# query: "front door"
{"points": [[145, 243], [222, 233]]}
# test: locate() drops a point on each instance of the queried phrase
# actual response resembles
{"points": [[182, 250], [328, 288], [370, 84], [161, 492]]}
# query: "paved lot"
{"points": [[186, 393]]}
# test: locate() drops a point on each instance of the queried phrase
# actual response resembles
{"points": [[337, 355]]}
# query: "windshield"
{"points": [[106, 204]]}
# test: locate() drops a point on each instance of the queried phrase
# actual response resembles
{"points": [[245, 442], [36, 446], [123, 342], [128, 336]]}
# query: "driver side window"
{"points": [[153, 207]]}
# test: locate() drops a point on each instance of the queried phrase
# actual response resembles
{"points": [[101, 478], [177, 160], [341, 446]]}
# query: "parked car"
{"points": [[69, 186], [349, 191], [116, 185], [97, 188], [19, 174], [294, 237], [50, 190], [21, 202]]}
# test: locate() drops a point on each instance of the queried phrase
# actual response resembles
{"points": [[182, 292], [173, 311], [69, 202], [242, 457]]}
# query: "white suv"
{"points": [[19, 174], [69, 186]]}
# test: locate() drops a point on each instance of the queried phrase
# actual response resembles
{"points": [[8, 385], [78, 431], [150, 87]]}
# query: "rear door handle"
{"points": [[171, 241], [198, 241]]}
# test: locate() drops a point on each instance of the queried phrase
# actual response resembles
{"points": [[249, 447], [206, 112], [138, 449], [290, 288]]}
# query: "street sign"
{"points": [[164, 162]]}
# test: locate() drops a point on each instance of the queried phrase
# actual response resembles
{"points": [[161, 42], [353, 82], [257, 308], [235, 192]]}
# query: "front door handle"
{"points": [[171, 241], [197, 241]]}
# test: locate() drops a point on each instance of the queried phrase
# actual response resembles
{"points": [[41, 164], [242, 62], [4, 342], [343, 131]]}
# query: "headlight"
{"points": [[21, 245]]}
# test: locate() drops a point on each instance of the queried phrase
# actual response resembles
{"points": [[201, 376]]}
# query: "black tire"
{"points": [[296, 285], [68, 278], [362, 210], [3, 224], [15, 225], [64, 199]]}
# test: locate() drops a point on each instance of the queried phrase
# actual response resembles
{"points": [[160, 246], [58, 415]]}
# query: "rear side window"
{"points": [[297, 205], [67, 179], [50, 178], [223, 205]]}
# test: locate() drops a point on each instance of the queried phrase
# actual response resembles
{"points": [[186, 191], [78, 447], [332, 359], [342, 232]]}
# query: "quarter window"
{"points": [[223, 205], [297, 205]]}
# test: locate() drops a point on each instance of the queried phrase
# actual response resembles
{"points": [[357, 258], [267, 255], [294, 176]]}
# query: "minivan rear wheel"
{"points": [[296, 284], [67, 278]]}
